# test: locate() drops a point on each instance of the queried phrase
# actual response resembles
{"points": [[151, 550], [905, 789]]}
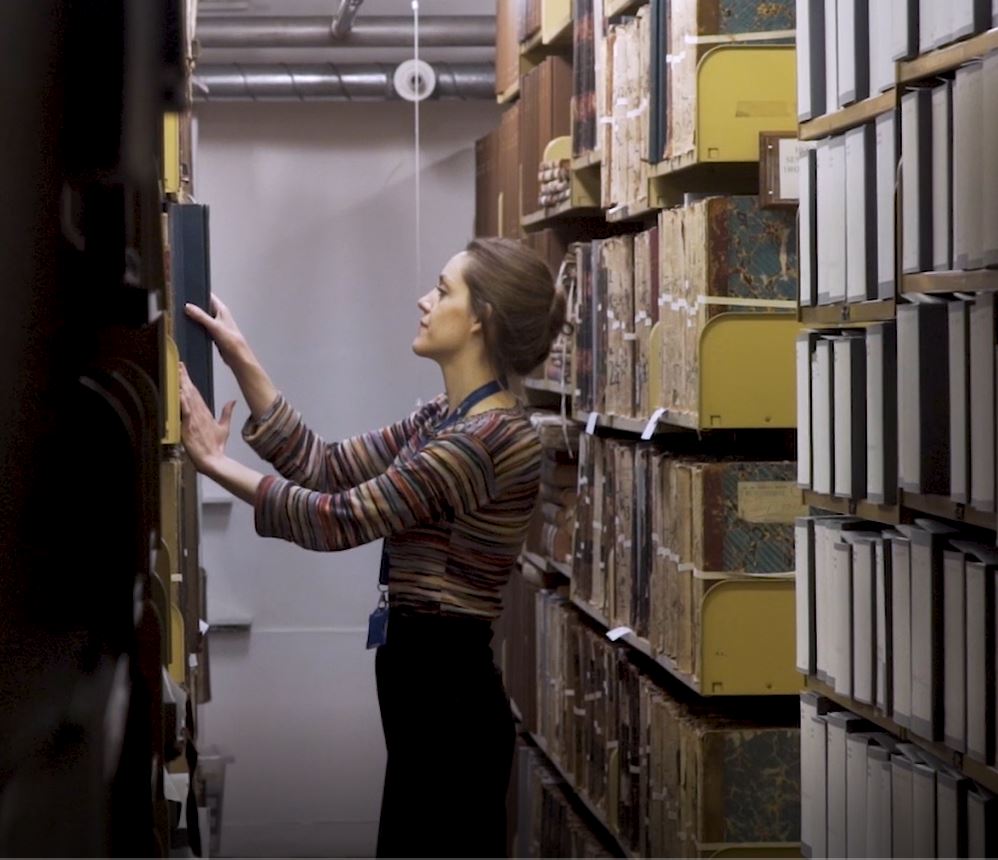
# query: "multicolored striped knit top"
{"points": [[453, 505]]}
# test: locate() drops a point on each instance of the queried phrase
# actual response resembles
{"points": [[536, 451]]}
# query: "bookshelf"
{"points": [[899, 366], [981, 774], [618, 849], [737, 370]]}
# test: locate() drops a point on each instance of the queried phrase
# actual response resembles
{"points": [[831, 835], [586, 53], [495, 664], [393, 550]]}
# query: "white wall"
{"points": [[312, 246]]}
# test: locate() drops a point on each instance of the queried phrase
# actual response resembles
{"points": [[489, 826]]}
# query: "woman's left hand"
{"points": [[204, 437]]}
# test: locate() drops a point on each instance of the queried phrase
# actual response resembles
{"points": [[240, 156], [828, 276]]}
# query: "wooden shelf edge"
{"points": [[624, 213], [549, 385], [980, 773], [886, 514], [587, 161], [910, 505], [622, 7], [541, 744], [510, 94], [546, 565], [668, 423], [947, 58], [979, 280], [947, 509], [532, 44], [689, 162], [638, 644], [848, 117], [872, 311], [561, 36], [563, 212]]}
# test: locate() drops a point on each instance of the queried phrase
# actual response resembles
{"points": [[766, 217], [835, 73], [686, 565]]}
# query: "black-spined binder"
{"points": [[881, 413], [927, 544], [190, 276], [923, 397]]}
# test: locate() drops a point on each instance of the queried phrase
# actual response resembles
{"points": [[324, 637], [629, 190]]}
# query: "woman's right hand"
{"points": [[222, 327]]}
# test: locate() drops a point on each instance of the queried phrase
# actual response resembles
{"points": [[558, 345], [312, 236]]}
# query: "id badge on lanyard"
{"points": [[377, 624]]}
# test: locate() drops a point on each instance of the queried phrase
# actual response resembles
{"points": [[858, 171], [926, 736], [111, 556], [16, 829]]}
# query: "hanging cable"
{"points": [[416, 159]]}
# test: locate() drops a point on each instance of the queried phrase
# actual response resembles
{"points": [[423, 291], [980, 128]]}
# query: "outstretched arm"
{"points": [[281, 438], [451, 474], [204, 439], [279, 435]]}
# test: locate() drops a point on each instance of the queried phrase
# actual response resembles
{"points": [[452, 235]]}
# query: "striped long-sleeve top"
{"points": [[453, 504]]}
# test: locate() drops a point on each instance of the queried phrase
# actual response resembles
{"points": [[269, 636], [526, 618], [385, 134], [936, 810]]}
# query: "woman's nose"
{"points": [[424, 303]]}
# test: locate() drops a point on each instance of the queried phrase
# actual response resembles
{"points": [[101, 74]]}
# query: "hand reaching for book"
{"points": [[222, 328], [253, 380], [204, 438]]}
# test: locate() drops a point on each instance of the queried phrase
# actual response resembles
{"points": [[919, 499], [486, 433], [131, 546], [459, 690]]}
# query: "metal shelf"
{"points": [[948, 58], [950, 282], [982, 774], [848, 117], [855, 312]]}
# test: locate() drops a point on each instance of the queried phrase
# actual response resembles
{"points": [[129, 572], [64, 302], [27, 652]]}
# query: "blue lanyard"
{"points": [[472, 400]]}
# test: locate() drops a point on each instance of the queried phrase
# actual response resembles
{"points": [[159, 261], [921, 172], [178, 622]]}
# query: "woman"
{"points": [[451, 489]]}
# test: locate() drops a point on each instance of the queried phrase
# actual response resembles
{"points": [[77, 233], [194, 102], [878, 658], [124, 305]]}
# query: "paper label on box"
{"points": [[769, 501], [790, 153]]}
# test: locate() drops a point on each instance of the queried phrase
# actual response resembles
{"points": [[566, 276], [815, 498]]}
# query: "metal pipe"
{"points": [[435, 31], [332, 82], [344, 17]]}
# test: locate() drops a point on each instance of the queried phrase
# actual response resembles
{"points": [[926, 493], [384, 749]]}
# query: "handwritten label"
{"points": [[769, 501]]}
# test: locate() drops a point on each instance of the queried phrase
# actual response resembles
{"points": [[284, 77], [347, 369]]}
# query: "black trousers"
{"points": [[450, 735]]}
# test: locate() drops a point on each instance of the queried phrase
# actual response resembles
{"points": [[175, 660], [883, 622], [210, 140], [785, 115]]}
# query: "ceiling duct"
{"points": [[435, 31], [242, 82]]}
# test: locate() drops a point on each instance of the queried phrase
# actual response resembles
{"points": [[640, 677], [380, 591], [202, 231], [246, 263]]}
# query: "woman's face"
{"points": [[448, 322]]}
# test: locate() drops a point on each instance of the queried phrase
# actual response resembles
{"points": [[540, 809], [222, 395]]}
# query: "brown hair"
{"points": [[513, 293]]}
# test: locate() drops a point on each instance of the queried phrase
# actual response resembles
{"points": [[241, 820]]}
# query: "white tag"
{"points": [[591, 423], [202, 626], [646, 434], [617, 632], [192, 660], [630, 335]]}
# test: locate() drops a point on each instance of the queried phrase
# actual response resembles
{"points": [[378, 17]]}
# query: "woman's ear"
{"points": [[478, 319]]}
